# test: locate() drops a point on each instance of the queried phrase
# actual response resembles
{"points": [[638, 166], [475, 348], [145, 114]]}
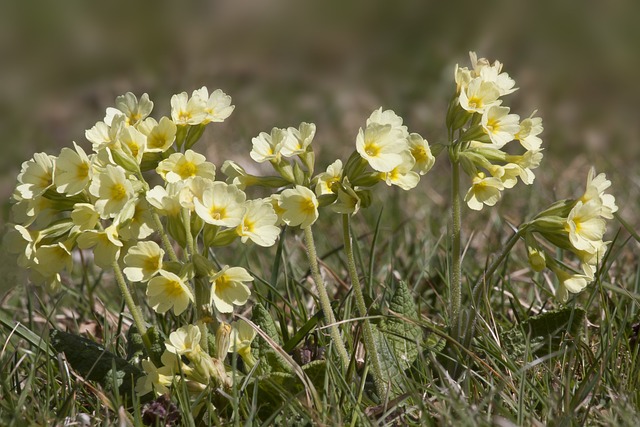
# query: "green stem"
{"points": [[369, 342], [166, 243], [455, 283], [324, 298], [133, 308]]}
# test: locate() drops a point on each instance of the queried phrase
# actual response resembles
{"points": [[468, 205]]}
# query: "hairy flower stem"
{"points": [[455, 283], [325, 303], [369, 342], [186, 219], [131, 305], [166, 243]]}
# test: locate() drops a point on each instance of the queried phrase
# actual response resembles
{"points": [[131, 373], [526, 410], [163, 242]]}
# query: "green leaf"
{"points": [[260, 348], [390, 365], [95, 363], [401, 334], [544, 333]]}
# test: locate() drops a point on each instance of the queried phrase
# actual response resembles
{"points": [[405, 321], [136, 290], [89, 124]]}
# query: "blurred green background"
{"points": [[332, 63]]}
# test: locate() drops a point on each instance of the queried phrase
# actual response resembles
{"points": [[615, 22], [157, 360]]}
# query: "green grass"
{"points": [[590, 378]]}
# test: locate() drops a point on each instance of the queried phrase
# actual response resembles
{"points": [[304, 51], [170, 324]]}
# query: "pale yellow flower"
{"points": [[113, 190], [493, 73], [508, 173], [421, 152], [228, 288], [133, 110], [325, 180], [388, 117], [217, 106], [168, 291], [23, 242], [585, 226], [300, 140], [479, 95], [106, 245], [484, 191], [85, 216], [573, 283], [166, 200], [268, 147], [39, 210], [381, 146], [591, 260], [134, 141], [156, 379], [242, 334], [137, 223], [528, 133], [52, 259], [179, 167], [402, 175], [194, 188], [188, 111], [300, 206], [500, 126], [72, 171], [99, 136], [221, 204], [258, 223], [36, 176], [527, 162], [161, 135], [596, 186], [184, 341], [143, 261]]}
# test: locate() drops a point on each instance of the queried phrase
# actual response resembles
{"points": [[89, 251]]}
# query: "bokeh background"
{"points": [[330, 62]]}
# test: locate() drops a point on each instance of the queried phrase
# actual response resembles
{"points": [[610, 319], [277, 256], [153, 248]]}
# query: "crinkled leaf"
{"points": [[402, 335], [389, 363], [544, 333], [269, 359], [135, 345], [95, 363]]}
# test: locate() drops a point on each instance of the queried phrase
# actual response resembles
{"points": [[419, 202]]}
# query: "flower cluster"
{"points": [[577, 226], [102, 201], [185, 360], [385, 152], [484, 126]]}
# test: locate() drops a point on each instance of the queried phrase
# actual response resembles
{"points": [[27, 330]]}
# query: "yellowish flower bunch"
{"points": [[100, 201], [576, 226], [481, 128]]}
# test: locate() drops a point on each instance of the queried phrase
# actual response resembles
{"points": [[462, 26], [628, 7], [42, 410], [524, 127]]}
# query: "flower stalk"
{"points": [[131, 305], [325, 303], [369, 342]]}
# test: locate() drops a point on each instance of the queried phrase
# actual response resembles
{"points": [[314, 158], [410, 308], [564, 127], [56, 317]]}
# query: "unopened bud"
{"points": [[223, 340]]}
